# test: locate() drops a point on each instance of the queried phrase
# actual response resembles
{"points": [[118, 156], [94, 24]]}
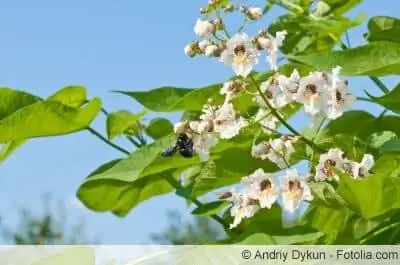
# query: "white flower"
{"points": [[240, 54], [339, 96], [226, 122], [231, 89], [202, 143], [333, 158], [260, 150], [273, 93], [261, 186], [360, 170], [243, 207], [312, 93], [280, 151], [254, 13], [208, 112], [289, 86], [203, 28], [180, 127], [294, 190], [211, 50], [267, 120], [273, 49]]}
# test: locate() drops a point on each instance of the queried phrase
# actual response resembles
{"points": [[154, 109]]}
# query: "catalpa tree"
{"points": [[235, 141]]}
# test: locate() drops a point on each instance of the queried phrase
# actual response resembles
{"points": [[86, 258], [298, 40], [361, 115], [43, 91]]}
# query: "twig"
{"points": [[101, 137]]}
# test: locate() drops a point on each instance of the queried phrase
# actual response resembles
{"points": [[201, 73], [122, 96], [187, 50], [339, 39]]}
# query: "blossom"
{"points": [[211, 50], [333, 158], [203, 28], [271, 44], [339, 96], [360, 170], [254, 13], [240, 54], [260, 150], [231, 89], [262, 186], [272, 92], [312, 93], [289, 85], [180, 127], [204, 44], [202, 143], [294, 190], [226, 122], [266, 119], [280, 151], [243, 207]]}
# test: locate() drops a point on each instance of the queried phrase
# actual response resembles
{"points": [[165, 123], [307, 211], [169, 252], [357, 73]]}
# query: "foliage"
{"points": [[241, 128]]}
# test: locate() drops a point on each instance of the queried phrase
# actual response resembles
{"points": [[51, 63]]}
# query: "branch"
{"points": [[101, 137]]}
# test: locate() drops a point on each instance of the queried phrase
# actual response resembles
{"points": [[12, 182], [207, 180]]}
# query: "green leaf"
{"points": [[265, 239], [339, 7], [7, 149], [366, 123], [119, 196], [159, 127], [390, 100], [357, 193], [170, 99], [74, 255], [13, 100], [210, 208], [119, 122], [329, 221], [325, 195], [376, 140], [374, 59], [47, 118], [72, 96], [383, 28]]}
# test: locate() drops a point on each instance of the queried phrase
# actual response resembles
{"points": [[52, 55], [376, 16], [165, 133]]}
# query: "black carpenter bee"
{"points": [[184, 145]]}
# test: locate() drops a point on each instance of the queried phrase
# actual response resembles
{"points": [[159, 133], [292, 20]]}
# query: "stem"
{"points": [[365, 99], [380, 231], [101, 137], [178, 186], [288, 126], [379, 84], [223, 24]]}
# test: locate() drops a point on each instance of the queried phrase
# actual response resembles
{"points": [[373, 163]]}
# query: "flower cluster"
{"points": [[262, 190], [322, 94], [277, 150], [334, 159], [240, 51]]}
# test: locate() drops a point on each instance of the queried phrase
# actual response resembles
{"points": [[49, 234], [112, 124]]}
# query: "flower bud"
{"points": [[254, 13], [212, 51], [204, 28]]}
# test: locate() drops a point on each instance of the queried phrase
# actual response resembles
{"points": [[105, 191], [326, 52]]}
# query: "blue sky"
{"points": [[104, 45]]}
